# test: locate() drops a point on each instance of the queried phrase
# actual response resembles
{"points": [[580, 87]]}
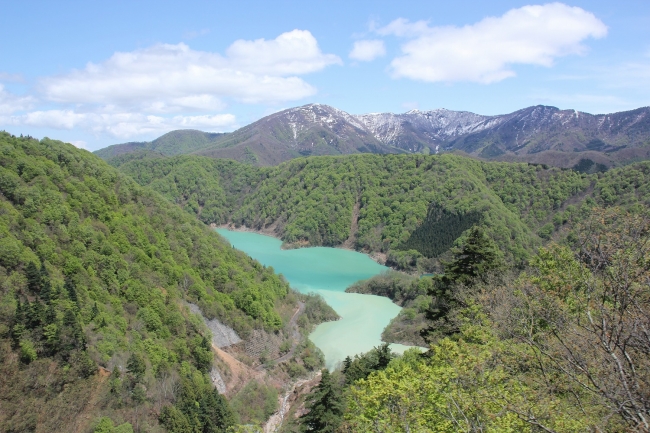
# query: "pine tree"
{"points": [[70, 288], [136, 366], [94, 312], [346, 364], [325, 407], [33, 278], [214, 413], [478, 255], [45, 285]]}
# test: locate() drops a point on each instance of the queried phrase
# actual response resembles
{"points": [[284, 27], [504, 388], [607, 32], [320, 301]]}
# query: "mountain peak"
{"points": [[540, 134]]}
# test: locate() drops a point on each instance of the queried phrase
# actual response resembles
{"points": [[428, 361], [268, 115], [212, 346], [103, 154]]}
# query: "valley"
{"points": [[327, 272], [116, 273]]}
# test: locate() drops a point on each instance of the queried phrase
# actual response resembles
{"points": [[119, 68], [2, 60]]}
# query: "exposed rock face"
{"points": [[222, 335], [218, 381]]}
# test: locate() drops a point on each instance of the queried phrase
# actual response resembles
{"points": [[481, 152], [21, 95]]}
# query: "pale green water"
{"points": [[328, 272]]}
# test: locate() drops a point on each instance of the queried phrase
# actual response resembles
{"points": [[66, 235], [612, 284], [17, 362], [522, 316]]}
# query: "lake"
{"points": [[328, 272]]}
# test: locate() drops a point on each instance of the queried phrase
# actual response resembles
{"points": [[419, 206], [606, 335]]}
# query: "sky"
{"points": [[99, 73]]}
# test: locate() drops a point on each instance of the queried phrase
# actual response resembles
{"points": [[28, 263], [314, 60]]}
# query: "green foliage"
{"points": [[411, 293], [316, 312], [325, 407], [538, 353], [95, 269], [255, 403], [362, 365], [401, 288], [199, 407], [472, 262], [405, 201], [136, 366], [105, 425], [439, 231], [477, 256]]}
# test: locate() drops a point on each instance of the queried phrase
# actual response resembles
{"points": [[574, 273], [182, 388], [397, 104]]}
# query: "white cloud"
{"points": [[404, 28], [291, 53], [165, 86], [483, 52], [16, 78], [167, 78], [10, 103], [120, 125], [367, 50]]}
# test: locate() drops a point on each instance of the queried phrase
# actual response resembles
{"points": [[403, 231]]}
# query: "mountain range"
{"points": [[538, 134]]}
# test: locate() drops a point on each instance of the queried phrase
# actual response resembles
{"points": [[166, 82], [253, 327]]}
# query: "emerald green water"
{"points": [[328, 272]]}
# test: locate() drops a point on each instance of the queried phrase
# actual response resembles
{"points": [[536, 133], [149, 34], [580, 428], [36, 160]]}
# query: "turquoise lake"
{"points": [[328, 272]]}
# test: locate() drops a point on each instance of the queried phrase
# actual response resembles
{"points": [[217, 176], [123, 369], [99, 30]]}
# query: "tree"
{"points": [[33, 277], [214, 413], [325, 407], [136, 366], [470, 263], [474, 259]]}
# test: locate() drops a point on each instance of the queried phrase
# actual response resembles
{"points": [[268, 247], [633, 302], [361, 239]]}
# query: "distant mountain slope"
{"points": [[313, 129], [533, 134], [539, 134], [173, 143]]}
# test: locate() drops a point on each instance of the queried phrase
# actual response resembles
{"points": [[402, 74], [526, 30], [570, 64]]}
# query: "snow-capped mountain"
{"points": [[539, 134]]}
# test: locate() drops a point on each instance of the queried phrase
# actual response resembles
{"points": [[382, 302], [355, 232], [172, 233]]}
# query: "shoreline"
{"points": [[267, 232], [379, 258]]}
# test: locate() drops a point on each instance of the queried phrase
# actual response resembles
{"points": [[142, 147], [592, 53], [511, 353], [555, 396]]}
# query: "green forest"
{"points": [[95, 275], [408, 207], [535, 312], [559, 347]]}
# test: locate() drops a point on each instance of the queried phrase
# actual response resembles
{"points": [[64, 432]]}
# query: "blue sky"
{"points": [[98, 73]]}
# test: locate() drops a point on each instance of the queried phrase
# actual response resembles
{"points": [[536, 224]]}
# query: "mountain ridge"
{"points": [[536, 134]]}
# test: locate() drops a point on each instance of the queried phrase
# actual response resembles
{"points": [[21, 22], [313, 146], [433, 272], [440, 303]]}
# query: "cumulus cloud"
{"points": [[367, 50], [171, 86], [484, 52], [10, 103], [291, 53], [166, 78], [120, 125]]}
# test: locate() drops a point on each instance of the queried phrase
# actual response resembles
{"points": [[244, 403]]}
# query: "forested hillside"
{"points": [[95, 272], [373, 203], [560, 347], [173, 143]]}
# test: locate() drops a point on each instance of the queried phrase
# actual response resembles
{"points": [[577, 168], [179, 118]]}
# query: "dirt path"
{"points": [[354, 225], [295, 336], [241, 373]]}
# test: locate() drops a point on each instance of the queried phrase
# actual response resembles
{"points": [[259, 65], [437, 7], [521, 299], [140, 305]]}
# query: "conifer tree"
{"points": [[478, 256], [214, 413], [325, 407], [33, 277], [71, 290]]}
